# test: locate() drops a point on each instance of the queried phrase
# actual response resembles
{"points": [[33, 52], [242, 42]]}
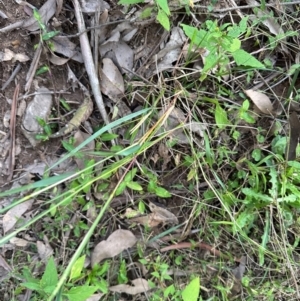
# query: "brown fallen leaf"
{"points": [[14, 214], [80, 137], [9, 55], [162, 214], [112, 83], [116, 243], [294, 136], [44, 249], [262, 101], [95, 297], [140, 285], [238, 274]]}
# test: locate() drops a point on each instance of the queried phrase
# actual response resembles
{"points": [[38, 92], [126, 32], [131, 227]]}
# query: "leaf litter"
{"points": [[118, 62]]}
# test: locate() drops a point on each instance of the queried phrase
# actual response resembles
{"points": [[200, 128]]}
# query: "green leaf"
{"points": [[163, 19], [49, 289], [192, 290], [198, 37], [130, 175], [265, 240], [37, 16], [244, 219], [49, 35], [129, 150], [146, 13], [50, 277], [256, 154], [108, 136], [256, 195], [121, 188], [243, 24], [32, 286], [80, 293], [221, 117], [236, 30], [243, 58], [77, 267], [164, 6], [65, 104], [128, 2], [234, 45], [210, 62], [42, 70], [293, 69], [134, 186], [162, 192]]}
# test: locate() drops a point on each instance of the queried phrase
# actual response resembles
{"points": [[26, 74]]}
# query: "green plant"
{"points": [[219, 43], [45, 34], [49, 280], [161, 9]]}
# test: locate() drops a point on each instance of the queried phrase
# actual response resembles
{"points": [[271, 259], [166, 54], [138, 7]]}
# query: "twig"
{"points": [[223, 10], [200, 245], [11, 158], [93, 28], [14, 73], [33, 66], [88, 62]]}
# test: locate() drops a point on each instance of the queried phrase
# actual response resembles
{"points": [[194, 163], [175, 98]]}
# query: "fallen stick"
{"points": [[88, 62]]}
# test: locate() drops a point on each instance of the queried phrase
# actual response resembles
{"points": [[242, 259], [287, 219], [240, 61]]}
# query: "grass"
{"points": [[234, 192]]}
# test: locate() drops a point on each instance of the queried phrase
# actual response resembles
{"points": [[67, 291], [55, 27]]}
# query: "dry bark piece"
{"points": [[81, 115]]}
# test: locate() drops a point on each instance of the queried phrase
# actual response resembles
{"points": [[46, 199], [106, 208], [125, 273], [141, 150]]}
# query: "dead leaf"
{"points": [[146, 220], [80, 137], [171, 52], [57, 60], [111, 83], [163, 151], [270, 22], [14, 214], [261, 101], [238, 274], [116, 243], [75, 82], [46, 12], [294, 136], [122, 51], [95, 297], [44, 249], [91, 6], [64, 46], [9, 55], [40, 106], [20, 242], [140, 285], [177, 117], [162, 214]]}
